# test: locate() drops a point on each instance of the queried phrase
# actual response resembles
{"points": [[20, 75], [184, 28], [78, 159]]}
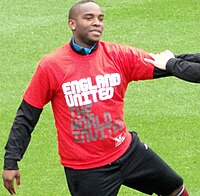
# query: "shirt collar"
{"points": [[78, 48]]}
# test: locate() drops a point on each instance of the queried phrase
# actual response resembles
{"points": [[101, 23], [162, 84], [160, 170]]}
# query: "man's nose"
{"points": [[96, 21]]}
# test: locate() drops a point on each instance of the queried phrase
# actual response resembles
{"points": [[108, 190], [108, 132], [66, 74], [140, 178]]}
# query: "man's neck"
{"points": [[79, 48]]}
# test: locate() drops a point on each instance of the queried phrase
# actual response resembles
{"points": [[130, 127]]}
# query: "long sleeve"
{"points": [[158, 73], [20, 135], [195, 58], [186, 67]]}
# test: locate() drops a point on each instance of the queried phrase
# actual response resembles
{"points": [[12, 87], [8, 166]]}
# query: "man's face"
{"points": [[87, 24]]}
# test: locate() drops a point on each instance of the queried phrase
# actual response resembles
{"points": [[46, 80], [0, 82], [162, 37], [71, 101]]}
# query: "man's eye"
{"points": [[101, 19], [88, 18]]}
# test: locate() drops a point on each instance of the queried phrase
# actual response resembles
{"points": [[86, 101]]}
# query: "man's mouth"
{"points": [[96, 31]]}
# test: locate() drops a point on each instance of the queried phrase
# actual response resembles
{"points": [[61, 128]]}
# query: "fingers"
{"points": [[152, 55], [149, 60], [18, 180], [152, 61], [9, 185], [160, 60], [8, 177], [167, 53]]}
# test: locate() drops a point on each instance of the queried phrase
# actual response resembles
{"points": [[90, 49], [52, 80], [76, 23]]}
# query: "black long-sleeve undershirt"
{"points": [[185, 67], [20, 135]]}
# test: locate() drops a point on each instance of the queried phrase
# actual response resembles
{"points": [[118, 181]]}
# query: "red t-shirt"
{"points": [[87, 96]]}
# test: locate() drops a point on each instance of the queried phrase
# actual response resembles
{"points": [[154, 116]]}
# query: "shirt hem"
{"points": [[102, 163]]}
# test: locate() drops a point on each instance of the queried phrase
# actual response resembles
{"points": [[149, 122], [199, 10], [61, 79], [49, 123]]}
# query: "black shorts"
{"points": [[139, 168]]}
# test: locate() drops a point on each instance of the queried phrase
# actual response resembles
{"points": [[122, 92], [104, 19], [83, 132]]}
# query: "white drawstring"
{"points": [[181, 191]]}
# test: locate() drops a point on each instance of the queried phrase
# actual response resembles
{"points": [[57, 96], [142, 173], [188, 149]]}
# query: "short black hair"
{"points": [[71, 11]]}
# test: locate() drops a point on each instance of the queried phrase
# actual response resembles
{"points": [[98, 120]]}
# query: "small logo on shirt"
{"points": [[119, 139]]}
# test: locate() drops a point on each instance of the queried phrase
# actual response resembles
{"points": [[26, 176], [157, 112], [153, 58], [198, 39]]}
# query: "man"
{"points": [[184, 66], [86, 81]]}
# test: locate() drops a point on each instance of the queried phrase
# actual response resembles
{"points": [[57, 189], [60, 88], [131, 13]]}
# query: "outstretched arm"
{"points": [[183, 69], [25, 121], [185, 66], [195, 58]]}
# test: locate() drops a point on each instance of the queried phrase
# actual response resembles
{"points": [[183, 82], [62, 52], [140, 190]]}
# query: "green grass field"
{"points": [[164, 112]]}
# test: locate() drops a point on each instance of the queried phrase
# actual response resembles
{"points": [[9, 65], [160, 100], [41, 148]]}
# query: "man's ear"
{"points": [[72, 24]]}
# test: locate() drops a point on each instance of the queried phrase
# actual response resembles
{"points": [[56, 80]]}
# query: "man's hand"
{"points": [[160, 60], [8, 177]]}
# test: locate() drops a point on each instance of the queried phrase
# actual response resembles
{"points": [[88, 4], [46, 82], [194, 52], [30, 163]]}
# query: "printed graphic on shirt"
{"points": [[84, 91], [86, 126]]}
